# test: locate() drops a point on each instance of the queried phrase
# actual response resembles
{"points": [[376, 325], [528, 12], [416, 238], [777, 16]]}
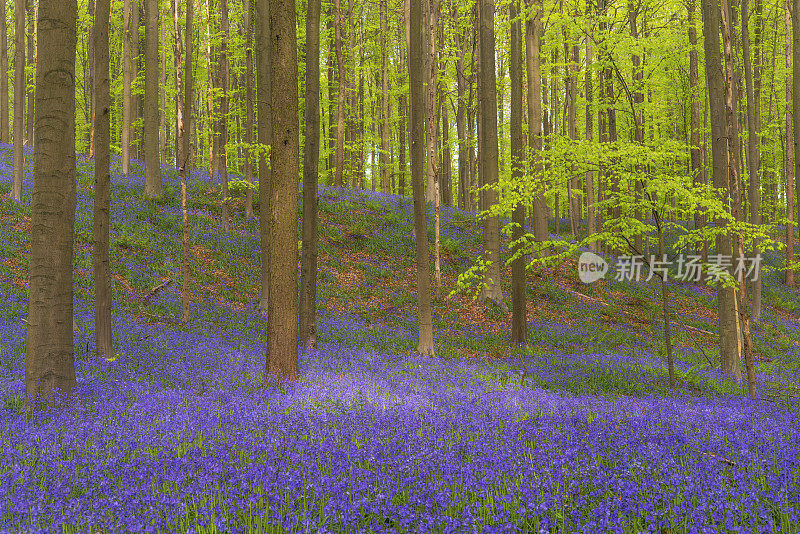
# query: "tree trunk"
{"points": [[30, 8], [726, 298], [492, 290], [461, 116], [49, 357], [264, 97], [753, 152], [4, 138], [89, 102], [698, 168], [384, 154], [128, 76], [342, 93], [447, 170], [308, 277], [153, 187], [591, 224], [432, 122], [248, 133], [789, 162], [519, 319], [796, 91], [402, 104], [162, 129], [417, 122], [333, 92], [183, 119], [225, 72], [102, 182], [533, 43], [19, 99], [282, 328]]}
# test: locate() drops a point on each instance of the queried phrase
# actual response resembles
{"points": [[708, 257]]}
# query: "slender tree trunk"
{"points": [[224, 102], [796, 91], [432, 122], [789, 161], [264, 98], [571, 62], [282, 328], [4, 137], [19, 99], [402, 104], [726, 297], [128, 76], [89, 102], [461, 116], [183, 96], [695, 154], [342, 94], [248, 133], [589, 89], [102, 183], [447, 168], [308, 277], [519, 320], [333, 92], [162, 129], [492, 290], [153, 187], [49, 357], [533, 43], [417, 122], [385, 165], [30, 8], [753, 151]]}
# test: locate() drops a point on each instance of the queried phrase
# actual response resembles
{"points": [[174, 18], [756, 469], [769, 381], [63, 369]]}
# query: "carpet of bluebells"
{"points": [[179, 433]]}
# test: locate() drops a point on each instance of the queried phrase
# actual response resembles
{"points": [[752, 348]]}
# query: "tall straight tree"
{"points": [[130, 50], [19, 98], [49, 357], [184, 81], [224, 103], [102, 182], [3, 76], [282, 316], [753, 148], [308, 272], [726, 297], [695, 152], [250, 116], [416, 63], [30, 8], [384, 153], [264, 97], [153, 188], [492, 290], [796, 91], [533, 66], [519, 321], [342, 92], [789, 161]]}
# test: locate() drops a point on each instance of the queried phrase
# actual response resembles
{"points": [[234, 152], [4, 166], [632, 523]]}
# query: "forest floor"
{"points": [[578, 431]]}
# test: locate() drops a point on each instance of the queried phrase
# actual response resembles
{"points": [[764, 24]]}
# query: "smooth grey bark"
{"points": [[789, 161], [417, 126], [264, 129], [19, 98], [153, 188], [533, 46], [49, 356], [4, 132], [308, 274], [726, 298], [224, 105], [250, 115], [102, 182], [492, 290], [519, 319], [30, 58], [129, 52], [753, 152]]}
